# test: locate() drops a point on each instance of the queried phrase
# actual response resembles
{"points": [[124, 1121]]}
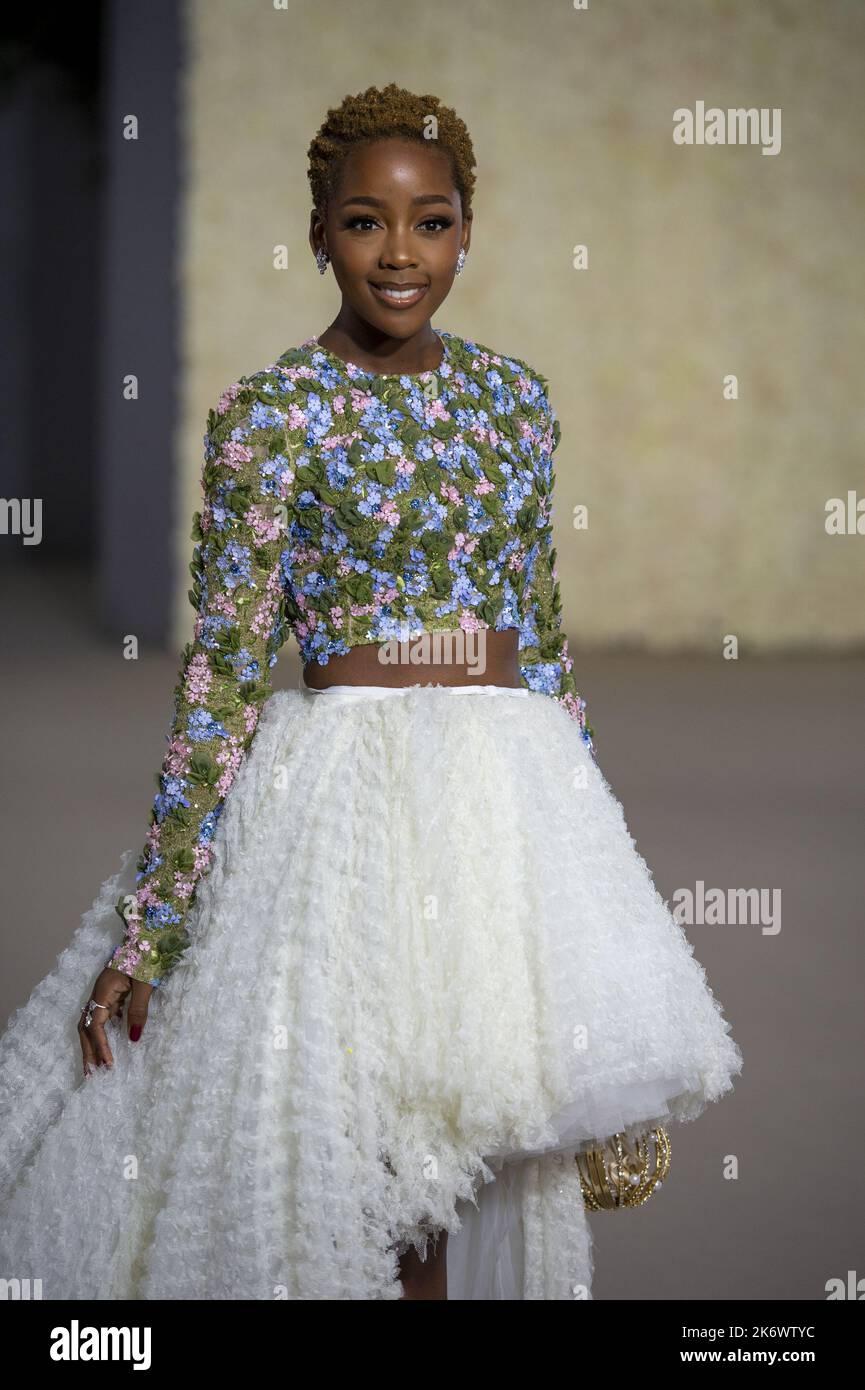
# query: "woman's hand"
{"points": [[110, 990]]}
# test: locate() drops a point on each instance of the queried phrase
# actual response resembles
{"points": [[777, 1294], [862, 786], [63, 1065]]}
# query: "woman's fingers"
{"points": [[136, 1013], [87, 1052], [109, 991], [99, 1041]]}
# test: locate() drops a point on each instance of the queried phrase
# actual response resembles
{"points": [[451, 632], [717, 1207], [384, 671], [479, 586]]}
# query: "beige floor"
{"points": [[745, 774]]}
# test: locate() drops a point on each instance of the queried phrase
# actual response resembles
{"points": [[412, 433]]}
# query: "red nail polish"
{"points": [[135, 1032]]}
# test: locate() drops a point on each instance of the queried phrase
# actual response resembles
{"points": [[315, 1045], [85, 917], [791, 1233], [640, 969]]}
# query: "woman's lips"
{"points": [[404, 299]]}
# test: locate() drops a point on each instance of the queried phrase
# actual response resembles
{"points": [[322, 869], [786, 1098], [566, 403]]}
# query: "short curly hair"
{"points": [[380, 114]]}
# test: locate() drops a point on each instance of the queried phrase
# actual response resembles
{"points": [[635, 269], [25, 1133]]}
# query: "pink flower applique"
{"points": [[236, 454], [176, 759], [265, 525], [228, 397], [199, 678]]}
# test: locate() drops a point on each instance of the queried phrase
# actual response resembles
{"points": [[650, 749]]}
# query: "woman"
{"points": [[380, 995]]}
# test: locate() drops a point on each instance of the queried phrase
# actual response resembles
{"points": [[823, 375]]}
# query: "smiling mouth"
{"points": [[399, 296]]}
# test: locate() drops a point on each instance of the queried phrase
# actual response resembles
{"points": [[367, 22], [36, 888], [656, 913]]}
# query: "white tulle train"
{"points": [[427, 964]]}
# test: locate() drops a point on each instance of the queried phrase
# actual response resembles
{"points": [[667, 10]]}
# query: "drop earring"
{"points": [[461, 260], [322, 259]]}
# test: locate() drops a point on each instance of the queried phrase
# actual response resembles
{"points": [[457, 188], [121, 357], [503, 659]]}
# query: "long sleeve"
{"points": [[545, 663], [225, 672]]}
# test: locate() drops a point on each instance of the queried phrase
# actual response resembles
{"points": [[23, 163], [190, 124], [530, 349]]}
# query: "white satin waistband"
{"points": [[379, 692]]}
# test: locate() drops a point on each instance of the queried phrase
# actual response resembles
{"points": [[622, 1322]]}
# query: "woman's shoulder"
{"points": [[255, 400], [515, 371], [527, 388]]}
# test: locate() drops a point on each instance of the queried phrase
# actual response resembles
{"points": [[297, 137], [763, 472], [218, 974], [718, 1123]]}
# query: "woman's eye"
{"points": [[437, 223]]}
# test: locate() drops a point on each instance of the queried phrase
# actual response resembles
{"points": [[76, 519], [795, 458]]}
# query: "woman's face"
{"points": [[395, 220]]}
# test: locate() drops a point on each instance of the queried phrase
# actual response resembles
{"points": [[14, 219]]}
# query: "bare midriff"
{"points": [[494, 662]]}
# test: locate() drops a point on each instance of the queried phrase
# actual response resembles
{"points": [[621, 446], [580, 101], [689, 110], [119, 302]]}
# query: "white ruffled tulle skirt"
{"points": [[426, 966]]}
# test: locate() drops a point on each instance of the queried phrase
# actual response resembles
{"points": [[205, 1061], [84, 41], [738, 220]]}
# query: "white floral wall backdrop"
{"points": [[706, 515]]}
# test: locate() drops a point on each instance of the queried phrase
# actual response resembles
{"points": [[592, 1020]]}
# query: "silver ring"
{"points": [[88, 1010]]}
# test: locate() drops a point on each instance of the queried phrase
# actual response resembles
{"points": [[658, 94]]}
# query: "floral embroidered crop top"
{"points": [[349, 507]]}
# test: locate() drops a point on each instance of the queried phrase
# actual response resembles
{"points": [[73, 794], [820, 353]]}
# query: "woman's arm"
{"points": [[225, 673], [545, 664]]}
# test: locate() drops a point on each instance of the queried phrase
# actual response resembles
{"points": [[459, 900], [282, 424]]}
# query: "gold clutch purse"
{"points": [[622, 1172]]}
